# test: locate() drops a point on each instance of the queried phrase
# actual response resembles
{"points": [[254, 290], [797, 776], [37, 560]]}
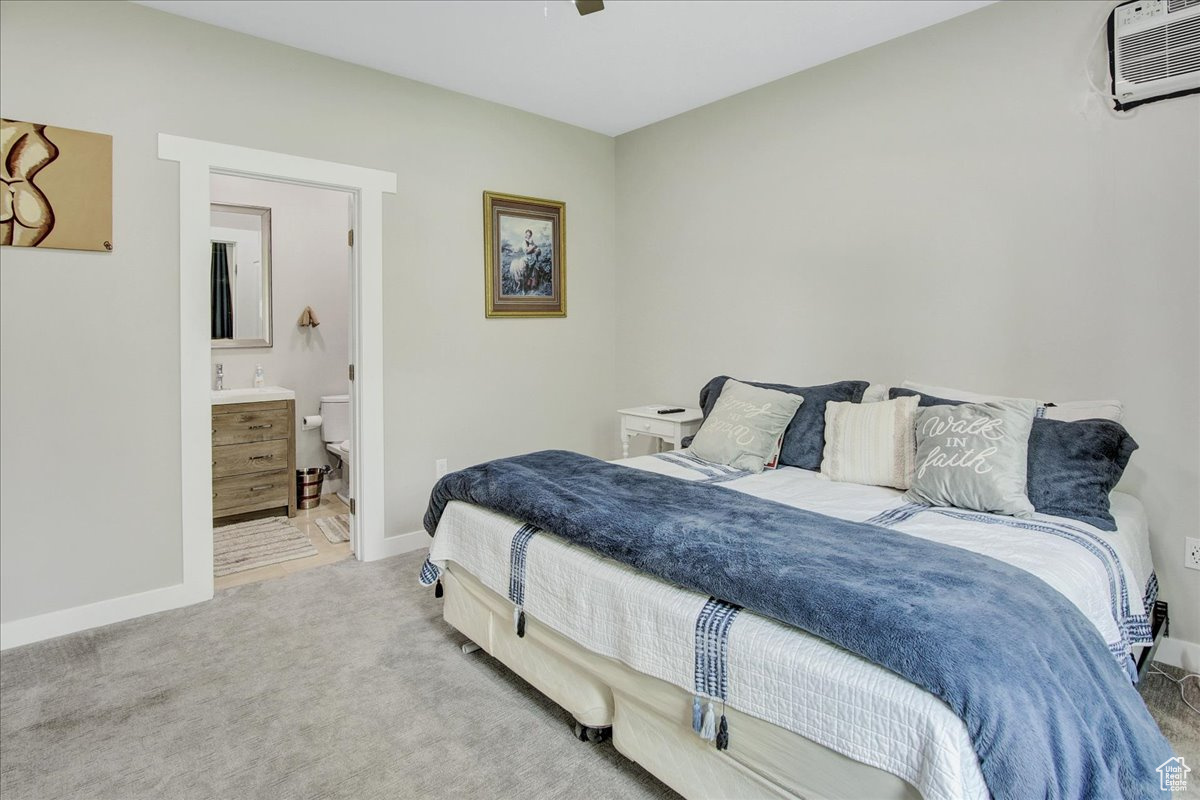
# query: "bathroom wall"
{"points": [[310, 267], [89, 342]]}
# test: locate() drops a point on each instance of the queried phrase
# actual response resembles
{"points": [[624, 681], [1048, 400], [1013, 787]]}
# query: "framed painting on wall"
{"points": [[525, 256], [57, 189]]}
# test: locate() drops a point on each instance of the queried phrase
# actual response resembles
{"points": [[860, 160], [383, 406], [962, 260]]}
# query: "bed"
{"points": [[617, 648]]}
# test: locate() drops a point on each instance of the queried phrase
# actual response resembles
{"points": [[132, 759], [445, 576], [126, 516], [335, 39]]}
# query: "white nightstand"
{"points": [[645, 420]]}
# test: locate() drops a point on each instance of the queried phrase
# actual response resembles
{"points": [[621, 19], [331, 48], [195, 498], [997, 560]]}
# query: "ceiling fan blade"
{"points": [[585, 7]]}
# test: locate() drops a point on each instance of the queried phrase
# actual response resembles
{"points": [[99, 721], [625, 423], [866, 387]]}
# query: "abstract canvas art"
{"points": [[57, 190], [524, 256]]}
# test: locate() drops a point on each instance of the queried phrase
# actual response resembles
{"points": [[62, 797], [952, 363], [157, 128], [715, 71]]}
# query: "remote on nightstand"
{"points": [[669, 424]]}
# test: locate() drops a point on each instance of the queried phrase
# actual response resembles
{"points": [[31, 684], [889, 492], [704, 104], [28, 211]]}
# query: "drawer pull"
{"points": [[263, 458], [260, 488], [258, 427], [646, 426]]}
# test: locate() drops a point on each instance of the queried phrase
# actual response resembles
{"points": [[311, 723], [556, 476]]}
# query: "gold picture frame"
{"points": [[524, 256]]}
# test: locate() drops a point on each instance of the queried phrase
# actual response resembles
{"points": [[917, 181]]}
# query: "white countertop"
{"points": [[227, 396]]}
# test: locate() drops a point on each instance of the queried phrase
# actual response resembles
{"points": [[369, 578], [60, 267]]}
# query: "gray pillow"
{"points": [[804, 439], [974, 456], [744, 426], [1073, 466]]}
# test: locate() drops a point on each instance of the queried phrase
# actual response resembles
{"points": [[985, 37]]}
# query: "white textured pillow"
{"points": [[871, 443], [875, 392], [1075, 410], [1071, 411], [773, 461]]}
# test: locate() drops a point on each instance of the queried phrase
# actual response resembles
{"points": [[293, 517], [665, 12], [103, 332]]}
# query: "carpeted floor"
{"points": [[273, 691], [1178, 723], [338, 682]]}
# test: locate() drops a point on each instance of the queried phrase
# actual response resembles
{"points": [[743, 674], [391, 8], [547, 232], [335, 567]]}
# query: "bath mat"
{"points": [[246, 545], [336, 529]]}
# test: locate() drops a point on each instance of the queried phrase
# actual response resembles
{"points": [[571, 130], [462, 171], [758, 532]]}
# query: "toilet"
{"points": [[335, 431]]}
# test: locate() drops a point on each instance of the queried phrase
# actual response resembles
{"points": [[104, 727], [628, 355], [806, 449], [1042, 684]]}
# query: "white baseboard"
{"points": [[1179, 653], [404, 543], [81, 618], [72, 620]]}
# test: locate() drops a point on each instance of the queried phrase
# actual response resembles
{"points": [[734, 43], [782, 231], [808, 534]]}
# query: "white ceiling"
{"points": [[636, 62]]}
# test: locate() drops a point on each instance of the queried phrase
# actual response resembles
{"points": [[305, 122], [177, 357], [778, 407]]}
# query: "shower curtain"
{"points": [[222, 301]]}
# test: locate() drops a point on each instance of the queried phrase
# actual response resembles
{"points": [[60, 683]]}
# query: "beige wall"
{"points": [[89, 343], [946, 207]]}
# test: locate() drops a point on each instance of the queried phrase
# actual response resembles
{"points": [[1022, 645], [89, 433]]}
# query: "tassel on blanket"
{"points": [[519, 621], [708, 731], [696, 715], [437, 589], [723, 734], [430, 573]]}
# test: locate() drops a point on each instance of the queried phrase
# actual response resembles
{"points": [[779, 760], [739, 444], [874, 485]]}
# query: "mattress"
{"points": [[780, 674]]}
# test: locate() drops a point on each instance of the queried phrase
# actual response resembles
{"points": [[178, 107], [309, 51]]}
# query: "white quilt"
{"points": [[787, 677]]}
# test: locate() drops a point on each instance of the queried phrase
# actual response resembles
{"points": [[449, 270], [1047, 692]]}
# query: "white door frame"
{"points": [[198, 159]]}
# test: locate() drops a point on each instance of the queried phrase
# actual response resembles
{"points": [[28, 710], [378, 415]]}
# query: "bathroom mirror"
{"points": [[240, 276]]}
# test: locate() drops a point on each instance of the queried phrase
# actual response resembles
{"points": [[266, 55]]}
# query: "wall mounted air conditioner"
{"points": [[1154, 50]]}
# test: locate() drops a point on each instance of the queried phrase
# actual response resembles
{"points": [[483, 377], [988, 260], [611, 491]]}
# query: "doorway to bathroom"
{"points": [[280, 281], [199, 161]]}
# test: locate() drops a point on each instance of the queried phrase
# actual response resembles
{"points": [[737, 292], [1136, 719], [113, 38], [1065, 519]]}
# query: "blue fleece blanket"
{"points": [[1050, 713]]}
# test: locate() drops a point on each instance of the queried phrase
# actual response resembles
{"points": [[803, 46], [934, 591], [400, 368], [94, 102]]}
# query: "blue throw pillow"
{"points": [[1072, 465], [804, 439], [926, 399]]}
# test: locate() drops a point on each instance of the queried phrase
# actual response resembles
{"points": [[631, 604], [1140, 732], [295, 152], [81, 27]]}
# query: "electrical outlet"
{"points": [[1191, 557], [440, 468]]}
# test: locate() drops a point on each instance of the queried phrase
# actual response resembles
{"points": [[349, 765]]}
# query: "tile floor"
{"points": [[305, 520]]}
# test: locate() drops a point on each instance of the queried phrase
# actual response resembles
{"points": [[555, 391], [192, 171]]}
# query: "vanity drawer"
{"points": [[240, 459], [250, 492], [250, 426]]}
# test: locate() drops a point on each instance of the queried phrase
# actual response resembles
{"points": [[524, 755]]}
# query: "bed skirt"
{"points": [[651, 719]]}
